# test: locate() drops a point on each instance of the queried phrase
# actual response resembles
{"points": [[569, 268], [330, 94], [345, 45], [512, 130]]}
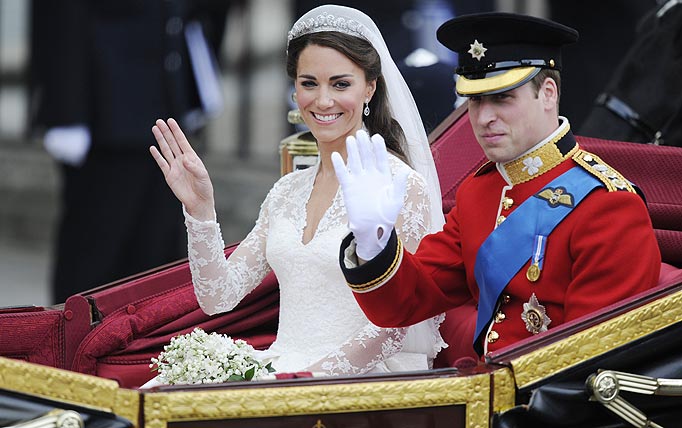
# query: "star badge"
{"points": [[477, 50], [535, 316]]}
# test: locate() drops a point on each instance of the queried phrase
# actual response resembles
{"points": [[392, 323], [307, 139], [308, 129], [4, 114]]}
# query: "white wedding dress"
{"points": [[321, 327]]}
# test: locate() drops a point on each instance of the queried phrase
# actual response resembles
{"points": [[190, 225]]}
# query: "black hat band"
{"points": [[472, 71]]}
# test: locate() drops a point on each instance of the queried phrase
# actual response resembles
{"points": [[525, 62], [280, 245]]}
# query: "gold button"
{"points": [[493, 336], [500, 219], [507, 203], [506, 298], [499, 317]]}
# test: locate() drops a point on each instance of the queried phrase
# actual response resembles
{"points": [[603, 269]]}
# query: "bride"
{"points": [[345, 81]]}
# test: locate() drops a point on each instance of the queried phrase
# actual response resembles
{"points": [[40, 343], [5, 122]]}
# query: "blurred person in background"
{"points": [[102, 72]]}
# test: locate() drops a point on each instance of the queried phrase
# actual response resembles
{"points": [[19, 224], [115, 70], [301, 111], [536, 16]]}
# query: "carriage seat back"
{"points": [[134, 318]]}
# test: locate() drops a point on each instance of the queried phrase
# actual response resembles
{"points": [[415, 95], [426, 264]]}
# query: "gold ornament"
{"points": [[533, 272]]}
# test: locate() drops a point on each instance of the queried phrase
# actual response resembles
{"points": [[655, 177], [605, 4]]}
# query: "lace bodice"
{"points": [[321, 327]]}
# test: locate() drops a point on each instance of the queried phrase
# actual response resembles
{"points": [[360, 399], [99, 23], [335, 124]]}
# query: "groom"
{"points": [[540, 235]]}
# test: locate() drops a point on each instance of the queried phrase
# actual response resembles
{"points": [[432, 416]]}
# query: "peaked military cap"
{"points": [[502, 51]]}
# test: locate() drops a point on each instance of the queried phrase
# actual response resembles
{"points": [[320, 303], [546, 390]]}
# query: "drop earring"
{"points": [[366, 110]]}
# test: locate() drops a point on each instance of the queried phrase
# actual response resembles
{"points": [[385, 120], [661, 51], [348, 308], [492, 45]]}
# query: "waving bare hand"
{"points": [[183, 170]]}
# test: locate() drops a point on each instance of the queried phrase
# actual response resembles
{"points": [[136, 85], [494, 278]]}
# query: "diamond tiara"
{"points": [[327, 22]]}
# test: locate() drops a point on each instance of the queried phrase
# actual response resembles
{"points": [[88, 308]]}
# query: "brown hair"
{"points": [[542, 75], [361, 52]]}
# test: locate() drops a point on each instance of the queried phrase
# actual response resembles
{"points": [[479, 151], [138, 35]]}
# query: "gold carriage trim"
{"points": [[547, 361], [504, 390], [474, 391], [539, 161], [79, 389], [383, 278], [612, 179]]}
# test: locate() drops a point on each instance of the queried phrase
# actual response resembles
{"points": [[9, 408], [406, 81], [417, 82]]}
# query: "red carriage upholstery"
{"points": [[33, 334], [656, 170], [134, 318]]}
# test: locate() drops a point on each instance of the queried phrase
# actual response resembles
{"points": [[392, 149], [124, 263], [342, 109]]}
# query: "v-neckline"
{"points": [[304, 207]]}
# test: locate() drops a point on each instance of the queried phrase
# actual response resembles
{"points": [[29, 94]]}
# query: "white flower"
{"points": [[199, 357], [532, 165]]}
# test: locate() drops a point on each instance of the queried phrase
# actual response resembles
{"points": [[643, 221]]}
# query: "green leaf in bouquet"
{"points": [[235, 377], [248, 375]]}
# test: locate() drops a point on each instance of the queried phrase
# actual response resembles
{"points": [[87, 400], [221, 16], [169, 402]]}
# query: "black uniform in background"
{"points": [[116, 66]]}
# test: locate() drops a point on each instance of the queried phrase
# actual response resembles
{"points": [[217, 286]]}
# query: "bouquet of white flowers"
{"points": [[199, 357]]}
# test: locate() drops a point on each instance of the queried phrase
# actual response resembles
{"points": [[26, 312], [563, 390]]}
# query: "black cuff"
{"points": [[375, 272]]}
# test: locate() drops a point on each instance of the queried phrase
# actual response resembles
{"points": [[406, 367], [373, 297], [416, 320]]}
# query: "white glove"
{"points": [[68, 144], [373, 197]]}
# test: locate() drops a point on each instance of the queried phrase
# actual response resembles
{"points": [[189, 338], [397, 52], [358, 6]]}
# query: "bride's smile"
{"points": [[331, 91]]}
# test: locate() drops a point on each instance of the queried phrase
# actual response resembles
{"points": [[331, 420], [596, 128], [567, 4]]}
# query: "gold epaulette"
{"points": [[612, 179], [485, 168]]}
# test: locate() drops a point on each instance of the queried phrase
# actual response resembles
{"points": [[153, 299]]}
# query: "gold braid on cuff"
{"points": [[384, 277]]}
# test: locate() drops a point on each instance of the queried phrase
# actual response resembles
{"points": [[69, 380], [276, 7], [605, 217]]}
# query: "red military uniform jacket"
{"points": [[603, 251]]}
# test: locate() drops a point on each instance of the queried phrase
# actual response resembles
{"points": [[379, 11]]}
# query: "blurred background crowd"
{"points": [[82, 202]]}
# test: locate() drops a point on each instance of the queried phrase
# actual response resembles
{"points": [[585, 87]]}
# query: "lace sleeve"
{"points": [[367, 348], [414, 220], [220, 283]]}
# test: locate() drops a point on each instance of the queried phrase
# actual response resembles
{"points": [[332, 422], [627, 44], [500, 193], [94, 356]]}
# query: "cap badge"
{"points": [[477, 50], [535, 316]]}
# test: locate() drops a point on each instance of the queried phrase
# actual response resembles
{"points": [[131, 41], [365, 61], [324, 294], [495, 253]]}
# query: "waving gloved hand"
{"points": [[373, 197]]}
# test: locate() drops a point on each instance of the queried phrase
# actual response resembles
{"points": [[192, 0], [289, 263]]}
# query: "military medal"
{"points": [[535, 316], [533, 272], [535, 268]]}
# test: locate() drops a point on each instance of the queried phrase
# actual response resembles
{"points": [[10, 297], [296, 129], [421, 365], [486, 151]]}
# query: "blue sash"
{"points": [[512, 243]]}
